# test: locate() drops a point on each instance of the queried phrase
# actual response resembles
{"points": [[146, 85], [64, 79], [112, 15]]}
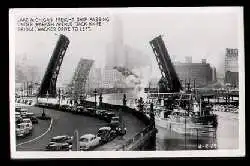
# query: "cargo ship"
{"points": [[191, 119]]}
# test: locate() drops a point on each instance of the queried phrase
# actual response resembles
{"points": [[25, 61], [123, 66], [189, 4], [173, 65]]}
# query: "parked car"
{"points": [[115, 121], [91, 111], [80, 109], [120, 130], [106, 134], [23, 111], [29, 114], [28, 122], [108, 116], [62, 139], [55, 146], [22, 129], [99, 113], [65, 108], [19, 119], [89, 141], [102, 114], [34, 120], [18, 109]]}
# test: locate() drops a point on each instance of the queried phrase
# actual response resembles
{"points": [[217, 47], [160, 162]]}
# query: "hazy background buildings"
{"points": [[189, 36]]}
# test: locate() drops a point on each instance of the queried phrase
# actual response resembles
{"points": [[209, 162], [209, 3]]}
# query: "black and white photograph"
{"points": [[127, 82]]}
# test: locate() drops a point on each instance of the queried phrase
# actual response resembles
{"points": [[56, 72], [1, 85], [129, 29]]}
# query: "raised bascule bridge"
{"points": [[48, 85], [140, 129], [77, 87], [170, 82], [169, 85]]}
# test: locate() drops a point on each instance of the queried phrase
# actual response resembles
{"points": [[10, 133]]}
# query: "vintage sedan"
{"points": [[55, 146], [108, 116], [62, 139], [106, 134], [28, 122], [34, 120], [89, 141]]}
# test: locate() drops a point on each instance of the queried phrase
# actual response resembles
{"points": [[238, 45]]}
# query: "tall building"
{"points": [[202, 73], [95, 78], [112, 78], [214, 75], [231, 67]]}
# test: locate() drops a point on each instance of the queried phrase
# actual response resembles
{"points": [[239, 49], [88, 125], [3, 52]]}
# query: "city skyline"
{"points": [[214, 32]]}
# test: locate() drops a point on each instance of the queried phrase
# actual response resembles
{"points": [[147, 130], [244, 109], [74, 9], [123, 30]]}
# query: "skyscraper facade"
{"points": [[202, 73], [231, 67]]}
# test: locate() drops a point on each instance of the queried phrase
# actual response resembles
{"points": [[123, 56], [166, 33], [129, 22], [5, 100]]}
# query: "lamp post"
{"points": [[47, 96], [100, 100], [95, 93]]}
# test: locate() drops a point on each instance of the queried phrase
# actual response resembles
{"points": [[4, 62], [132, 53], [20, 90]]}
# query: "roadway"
{"points": [[67, 123]]}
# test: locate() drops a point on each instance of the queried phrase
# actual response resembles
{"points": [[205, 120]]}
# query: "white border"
{"points": [[133, 154]]}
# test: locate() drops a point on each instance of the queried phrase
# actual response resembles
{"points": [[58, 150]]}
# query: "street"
{"points": [[67, 123]]}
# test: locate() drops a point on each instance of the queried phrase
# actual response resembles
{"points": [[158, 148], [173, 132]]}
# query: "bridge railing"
{"points": [[140, 115], [139, 136]]}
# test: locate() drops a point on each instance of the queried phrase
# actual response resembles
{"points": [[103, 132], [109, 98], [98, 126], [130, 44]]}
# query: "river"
{"points": [[227, 133]]}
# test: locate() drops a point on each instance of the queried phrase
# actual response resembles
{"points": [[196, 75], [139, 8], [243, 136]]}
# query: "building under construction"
{"points": [[77, 87]]}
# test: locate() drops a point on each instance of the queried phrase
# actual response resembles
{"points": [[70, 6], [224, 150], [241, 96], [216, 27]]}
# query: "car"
{"points": [[102, 114], [99, 113], [19, 119], [28, 122], [22, 129], [65, 108], [55, 146], [18, 109], [23, 111], [62, 139], [91, 111], [29, 114], [80, 109], [106, 134], [89, 141], [120, 130], [115, 121], [34, 120], [108, 116]]}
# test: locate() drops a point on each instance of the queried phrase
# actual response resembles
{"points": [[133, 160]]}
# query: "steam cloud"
{"points": [[137, 78]]}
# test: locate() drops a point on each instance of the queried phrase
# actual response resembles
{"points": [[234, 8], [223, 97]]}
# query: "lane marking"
{"points": [[51, 121]]}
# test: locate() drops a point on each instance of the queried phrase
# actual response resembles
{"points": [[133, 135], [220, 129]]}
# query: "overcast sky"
{"points": [[200, 33]]}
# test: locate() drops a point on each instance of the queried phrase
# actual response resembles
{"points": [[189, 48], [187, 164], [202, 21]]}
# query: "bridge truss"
{"points": [[169, 75], [48, 85], [78, 84]]}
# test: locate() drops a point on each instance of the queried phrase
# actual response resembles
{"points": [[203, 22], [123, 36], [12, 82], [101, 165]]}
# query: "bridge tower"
{"points": [[169, 75], [48, 84]]}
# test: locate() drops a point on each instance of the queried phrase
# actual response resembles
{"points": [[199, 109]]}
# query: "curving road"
{"points": [[67, 123]]}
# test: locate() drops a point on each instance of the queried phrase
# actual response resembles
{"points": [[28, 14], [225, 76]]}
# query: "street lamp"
{"points": [[47, 96], [95, 93]]}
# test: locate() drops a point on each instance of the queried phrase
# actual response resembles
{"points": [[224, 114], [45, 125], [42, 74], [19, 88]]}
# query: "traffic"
{"points": [[88, 141], [114, 127], [24, 122]]}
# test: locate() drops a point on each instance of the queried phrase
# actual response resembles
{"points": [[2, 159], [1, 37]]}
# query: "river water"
{"points": [[226, 136]]}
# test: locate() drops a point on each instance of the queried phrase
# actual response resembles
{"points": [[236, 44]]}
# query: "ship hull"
{"points": [[192, 129]]}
